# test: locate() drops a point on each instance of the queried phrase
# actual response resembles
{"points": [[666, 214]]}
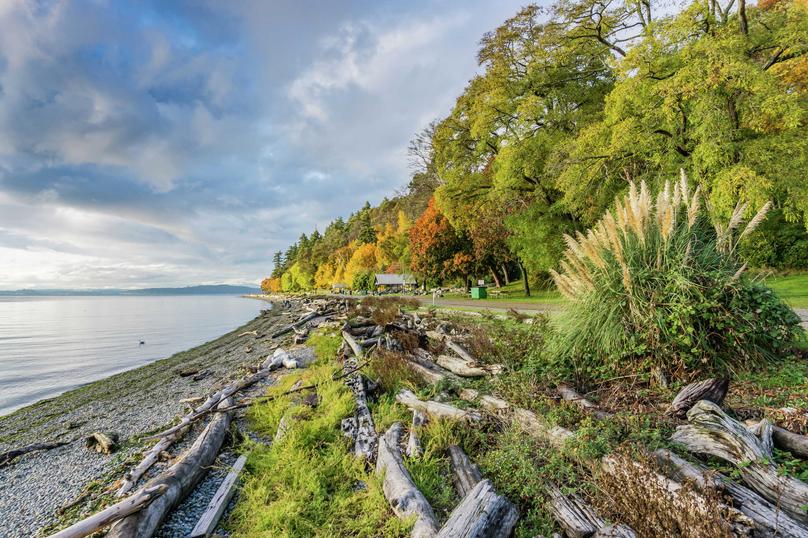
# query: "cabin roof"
{"points": [[393, 279]]}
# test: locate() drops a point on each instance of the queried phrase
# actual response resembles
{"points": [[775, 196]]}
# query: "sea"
{"points": [[49, 345]]}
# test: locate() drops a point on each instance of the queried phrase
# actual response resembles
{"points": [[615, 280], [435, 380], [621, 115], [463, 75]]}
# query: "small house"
{"points": [[394, 282]]}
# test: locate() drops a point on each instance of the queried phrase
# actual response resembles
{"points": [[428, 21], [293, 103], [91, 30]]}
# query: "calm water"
{"points": [[51, 344]]}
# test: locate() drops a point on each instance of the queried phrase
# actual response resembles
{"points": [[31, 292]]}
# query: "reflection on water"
{"points": [[52, 344]]}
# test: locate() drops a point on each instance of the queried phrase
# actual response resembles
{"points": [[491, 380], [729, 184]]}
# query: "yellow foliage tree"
{"points": [[363, 260]]}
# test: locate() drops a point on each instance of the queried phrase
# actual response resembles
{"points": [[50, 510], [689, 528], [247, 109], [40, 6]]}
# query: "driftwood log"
{"points": [[767, 518], [7, 457], [179, 480], [465, 474], [210, 517], [152, 456], [792, 442], [399, 490], [483, 513], [712, 390], [361, 426], [579, 520], [354, 345], [710, 431], [102, 442], [459, 366], [436, 409], [424, 365], [414, 449], [569, 394], [112, 513]]}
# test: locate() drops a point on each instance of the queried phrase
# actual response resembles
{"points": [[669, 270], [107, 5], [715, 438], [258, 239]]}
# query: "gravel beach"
{"points": [[132, 405]]}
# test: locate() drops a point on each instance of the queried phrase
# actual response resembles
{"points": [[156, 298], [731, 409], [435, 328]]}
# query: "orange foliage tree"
{"points": [[438, 251]]}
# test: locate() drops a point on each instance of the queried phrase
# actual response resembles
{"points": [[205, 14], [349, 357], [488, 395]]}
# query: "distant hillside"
{"points": [[218, 289]]}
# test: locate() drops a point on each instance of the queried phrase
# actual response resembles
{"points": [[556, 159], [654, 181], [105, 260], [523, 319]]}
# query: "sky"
{"points": [[163, 143]]}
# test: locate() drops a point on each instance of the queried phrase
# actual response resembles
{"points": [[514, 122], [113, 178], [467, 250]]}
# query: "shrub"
{"points": [[655, 287]]}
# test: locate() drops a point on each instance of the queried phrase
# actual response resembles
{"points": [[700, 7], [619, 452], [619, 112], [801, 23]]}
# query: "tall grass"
{"points": [[654, 285]]}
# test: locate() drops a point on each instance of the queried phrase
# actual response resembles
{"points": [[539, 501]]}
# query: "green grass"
{"points": [[793, 289], [515, 291]]}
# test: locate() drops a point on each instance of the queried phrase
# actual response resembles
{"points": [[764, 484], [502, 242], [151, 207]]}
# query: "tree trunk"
{"points": [[481, 514], [495, 277], [505, 274], [524, 279], [712, 432], [179, 479], [742, 17], [465, 474], [399, 490]]}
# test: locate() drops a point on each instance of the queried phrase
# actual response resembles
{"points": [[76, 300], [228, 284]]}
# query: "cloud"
{"points": [[178, 143]]}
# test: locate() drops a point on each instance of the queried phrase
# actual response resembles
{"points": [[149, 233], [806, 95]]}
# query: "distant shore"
{"points": [[130, 404]]}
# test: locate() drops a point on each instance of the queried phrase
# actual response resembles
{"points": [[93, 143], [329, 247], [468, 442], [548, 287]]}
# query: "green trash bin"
{"points": [[478, 292]]}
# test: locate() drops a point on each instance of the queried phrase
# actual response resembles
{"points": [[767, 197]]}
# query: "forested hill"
{"points": [[572, 104]]}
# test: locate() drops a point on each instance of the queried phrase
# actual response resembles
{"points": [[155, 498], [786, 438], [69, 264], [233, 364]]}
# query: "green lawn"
{"points": [[793, 289], [515, 292]]}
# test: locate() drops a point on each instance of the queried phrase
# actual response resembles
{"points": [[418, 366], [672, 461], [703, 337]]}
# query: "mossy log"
{"points": [[710, 431], [712, 390], [436, 409], [179, 480], [399, 489], [483, 513], [768, 520]]}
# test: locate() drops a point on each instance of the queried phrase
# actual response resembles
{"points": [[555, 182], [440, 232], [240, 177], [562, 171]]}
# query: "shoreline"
{"points": [[132, 404]]}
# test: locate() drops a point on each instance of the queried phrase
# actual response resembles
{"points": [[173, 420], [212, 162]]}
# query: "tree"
{"points": [[437, 251], [367, 233]]}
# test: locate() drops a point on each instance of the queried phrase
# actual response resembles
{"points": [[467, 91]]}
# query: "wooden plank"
{"points": [[217, 505]]}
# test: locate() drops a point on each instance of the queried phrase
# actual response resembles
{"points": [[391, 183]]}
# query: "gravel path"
{"points": [[130, 404]]}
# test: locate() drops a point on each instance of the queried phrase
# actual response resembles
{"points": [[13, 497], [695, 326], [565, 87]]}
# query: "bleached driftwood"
{"points": [[569, 394], [102, 442], [215, 399], [423, 364], [354, 345], [529, 421], [576, 517], [399, 490], [217, 505], [112, 513], [483, 513], [7, 457], [363, 431], [152, 456], [414, 449], [299, 323], [712, 390], [179, 479], [462, 353], [436, 409], [465, 474], [459, 366], [767, 518], [711, 431], [249, 333]]}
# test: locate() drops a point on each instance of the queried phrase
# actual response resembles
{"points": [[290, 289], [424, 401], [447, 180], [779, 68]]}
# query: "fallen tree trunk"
{"points": [[483, 513], [152, 456], [767, 518], [399, 489], [178, 480], [7, 457], [354, 345], [436, 409], [299, 323], [465, 474], [712, 390], [414, 449], [462, 353], [361, 425], [112, 513], [569, 394], [710, 431]]}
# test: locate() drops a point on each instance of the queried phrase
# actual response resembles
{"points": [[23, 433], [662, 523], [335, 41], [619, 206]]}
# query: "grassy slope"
{"points": [[793, 289]]}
